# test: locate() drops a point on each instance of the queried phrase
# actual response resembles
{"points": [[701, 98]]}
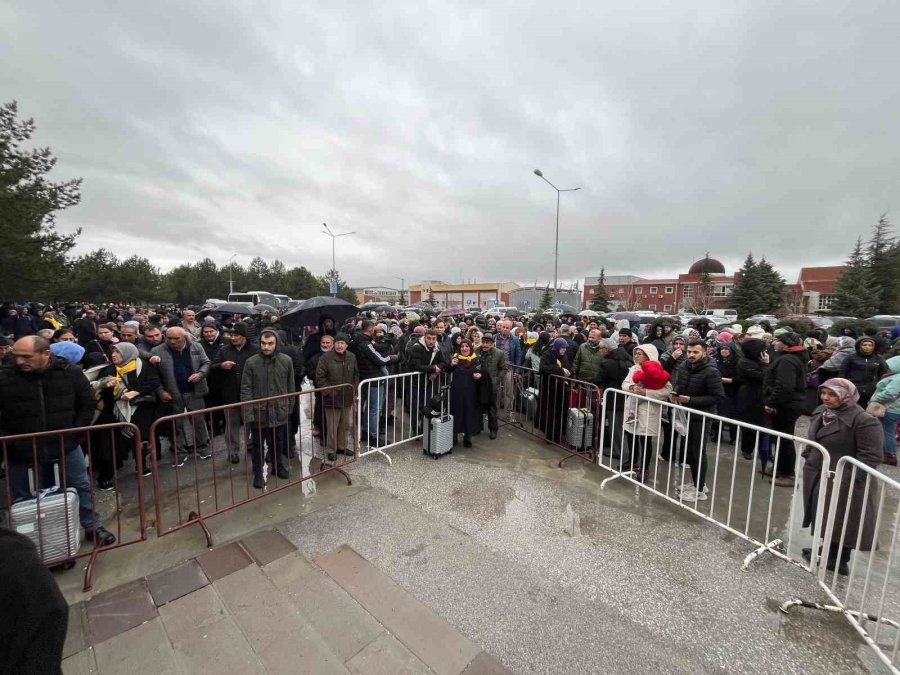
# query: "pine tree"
{"points": [[771, 287], [431, 300], [745, 290], [855, 293], [546, 300], [600, 301], [883, 258]]}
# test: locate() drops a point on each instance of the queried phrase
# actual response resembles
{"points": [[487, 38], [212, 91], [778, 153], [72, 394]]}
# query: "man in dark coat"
{"points": [[611, 372], [33, 612], [495, 367], [25, 324], [228, 365], [697, 385], [751, 369], [424, 358], [626, 341], [44, 393], [784, 395], [372, 366]]}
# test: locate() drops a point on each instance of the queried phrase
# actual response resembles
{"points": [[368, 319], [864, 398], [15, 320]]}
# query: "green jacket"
{"points": [[587, 363], [887, 391], [266, 376], [494, 364], [334, 369]]}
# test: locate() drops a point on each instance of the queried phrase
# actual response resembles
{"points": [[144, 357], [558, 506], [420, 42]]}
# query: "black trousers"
{"points": [[696, 450], [784, 421]]}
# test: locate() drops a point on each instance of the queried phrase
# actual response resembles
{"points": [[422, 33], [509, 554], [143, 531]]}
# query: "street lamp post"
{"points": [[402, 287], [230, 278], [333, 236], [537, 172]]}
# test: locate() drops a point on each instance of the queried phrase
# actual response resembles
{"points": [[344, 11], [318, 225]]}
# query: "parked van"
{"points": [[728, 313]]}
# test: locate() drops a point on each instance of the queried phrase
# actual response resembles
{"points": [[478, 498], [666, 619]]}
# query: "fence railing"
{"points": [[389, 409], [742, 477], [562, 411], [860, 573], [52, 492], [230, 455]]}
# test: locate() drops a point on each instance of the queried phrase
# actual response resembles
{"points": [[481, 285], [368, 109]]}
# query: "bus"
{"points": [[255, 298]]}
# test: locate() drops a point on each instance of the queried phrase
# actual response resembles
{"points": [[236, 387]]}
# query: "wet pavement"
{"points": [[539, 566]]}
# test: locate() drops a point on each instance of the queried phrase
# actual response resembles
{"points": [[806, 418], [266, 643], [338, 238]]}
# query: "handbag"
{"points": [[813, 379], [876, 409]]}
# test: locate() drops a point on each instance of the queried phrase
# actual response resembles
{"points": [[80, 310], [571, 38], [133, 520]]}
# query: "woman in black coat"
{"points": [[748, 404], [554, 390], [726, 362], [466, 392], [126, 392]]}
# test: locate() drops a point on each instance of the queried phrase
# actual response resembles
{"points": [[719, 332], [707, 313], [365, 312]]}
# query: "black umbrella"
{"points": [[310, 312], [227, 308]]}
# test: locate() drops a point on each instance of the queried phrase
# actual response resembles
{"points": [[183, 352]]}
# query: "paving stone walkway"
{"points": [[259, 606]]}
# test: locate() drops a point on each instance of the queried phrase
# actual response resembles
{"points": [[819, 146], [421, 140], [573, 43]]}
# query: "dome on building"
{"points": [[708, 265]]}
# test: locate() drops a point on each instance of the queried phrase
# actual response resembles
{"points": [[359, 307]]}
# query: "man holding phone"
{"points": [[697, 384]]}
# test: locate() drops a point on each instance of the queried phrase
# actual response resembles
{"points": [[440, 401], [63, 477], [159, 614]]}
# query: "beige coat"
{"points": [[642, 418]]}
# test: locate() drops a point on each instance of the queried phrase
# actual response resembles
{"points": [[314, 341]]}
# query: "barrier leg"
{"points": [[625, 474], [89, 571], [197, 518], [774, 545], [796, 602]]}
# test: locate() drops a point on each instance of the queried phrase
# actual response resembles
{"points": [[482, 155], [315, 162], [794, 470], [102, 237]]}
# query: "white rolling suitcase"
{"points": [[580, 428], [437, 436], [50, 520]]}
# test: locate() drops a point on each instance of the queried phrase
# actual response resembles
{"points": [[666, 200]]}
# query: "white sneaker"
{"points": [[690, 494], [691, 486]]}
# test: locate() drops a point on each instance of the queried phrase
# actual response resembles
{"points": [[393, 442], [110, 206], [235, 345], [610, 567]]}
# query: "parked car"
{"points": [[756, 318], [815, 320], [885, 320]]}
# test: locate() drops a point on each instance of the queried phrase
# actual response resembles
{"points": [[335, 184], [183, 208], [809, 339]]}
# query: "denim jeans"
{"points": [[76, 477], [373, 400], [889, 424]]}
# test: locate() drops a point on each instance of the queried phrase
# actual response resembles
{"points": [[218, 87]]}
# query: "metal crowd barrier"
{"points": [[206, 482], [52, 518], [862, 531], [562, 411], [391, 405], [660, 446]]}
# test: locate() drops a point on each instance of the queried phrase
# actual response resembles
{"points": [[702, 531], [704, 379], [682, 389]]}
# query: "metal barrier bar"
{"points": [[631, 425], [265, 435], [404, 395], [71, 459], [563, 411], [863, 499]]}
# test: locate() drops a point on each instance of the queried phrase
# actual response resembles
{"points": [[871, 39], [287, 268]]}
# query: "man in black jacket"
{"points": [[697, 385], [426, 359], [44, 393], [784, 394], [229, 363], [371, 365]]}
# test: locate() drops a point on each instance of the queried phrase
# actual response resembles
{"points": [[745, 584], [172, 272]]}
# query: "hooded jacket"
{"points": [[784, 384], [846, 347], [864, 371], [265, 376], [887, 391], [57, 397], [494, 363], [424, 360], [644, 417], [369, 360]]}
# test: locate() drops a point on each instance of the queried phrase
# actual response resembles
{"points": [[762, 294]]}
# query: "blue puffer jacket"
{"points": [[887, 391]]}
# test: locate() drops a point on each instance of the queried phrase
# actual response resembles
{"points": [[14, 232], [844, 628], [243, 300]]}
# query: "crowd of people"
{"points": [[67, 367]]}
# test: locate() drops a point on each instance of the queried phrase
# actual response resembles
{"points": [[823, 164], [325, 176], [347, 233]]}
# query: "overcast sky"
{"points": [[209, 128]]}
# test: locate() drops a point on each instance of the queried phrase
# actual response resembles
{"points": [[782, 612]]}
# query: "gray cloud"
{"points": [[207, 128]]}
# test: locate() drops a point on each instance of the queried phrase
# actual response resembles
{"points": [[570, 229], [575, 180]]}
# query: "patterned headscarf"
{"points": [[845, 389]]}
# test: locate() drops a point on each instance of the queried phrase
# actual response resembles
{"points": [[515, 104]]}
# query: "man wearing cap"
{"points": [[784, 394], [229, 363], [338, 367], [626, 341], [268, 373], [494, 363]]}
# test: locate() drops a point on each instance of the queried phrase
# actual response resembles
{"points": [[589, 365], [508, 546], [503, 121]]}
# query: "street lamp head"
{"points": [[537, 172]]}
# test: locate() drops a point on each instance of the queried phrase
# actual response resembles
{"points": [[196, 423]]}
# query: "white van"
{"points": [[727, 313], [254, 298]]}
